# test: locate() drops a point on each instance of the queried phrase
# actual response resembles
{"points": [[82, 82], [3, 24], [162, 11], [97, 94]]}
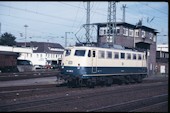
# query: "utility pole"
{"points": [[66, 38], [0, 28], [111, 21], [88, 23], [124, 6], [25, 33]]}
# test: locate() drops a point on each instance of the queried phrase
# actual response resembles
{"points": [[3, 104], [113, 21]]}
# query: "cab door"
{"points": [[94, 61]]}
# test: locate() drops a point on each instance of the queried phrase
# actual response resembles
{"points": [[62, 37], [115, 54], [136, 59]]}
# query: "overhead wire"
{"points": [[155, 9], [36, 12]]}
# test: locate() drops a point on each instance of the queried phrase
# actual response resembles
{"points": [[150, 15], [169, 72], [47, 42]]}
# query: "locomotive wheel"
{"points": [[90, 84], [127, 79], [139, 79], [121, 80], [73, 83], [108, 82], [69, 83], [131, 79]]}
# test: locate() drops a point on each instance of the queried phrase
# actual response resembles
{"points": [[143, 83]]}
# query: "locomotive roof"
{"points": [[103, 48]]}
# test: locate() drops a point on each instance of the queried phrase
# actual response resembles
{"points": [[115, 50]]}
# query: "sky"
{"points": [[55, 20]]}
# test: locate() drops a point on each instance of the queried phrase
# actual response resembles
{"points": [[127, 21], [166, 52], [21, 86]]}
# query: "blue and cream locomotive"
{"points": [[96, 65]]}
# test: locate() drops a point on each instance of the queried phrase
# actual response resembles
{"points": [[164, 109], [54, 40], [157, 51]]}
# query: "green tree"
{"points": [[7, 39]]}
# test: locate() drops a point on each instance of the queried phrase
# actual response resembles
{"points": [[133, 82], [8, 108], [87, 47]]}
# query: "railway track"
{"points": [[134, 105], [84, 96], [27, 75], [26, 91]]}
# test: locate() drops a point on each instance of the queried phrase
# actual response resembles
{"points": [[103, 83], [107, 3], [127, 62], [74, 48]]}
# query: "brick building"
{"points": [[131, 36], [162, 56]]}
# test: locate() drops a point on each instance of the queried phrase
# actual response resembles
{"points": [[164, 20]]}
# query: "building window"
{"points": [[150, 36], [101, 31], [148, 53], [111, 32], [108, 31], [137, 33], [150, 66], [154, 38], [118, 31], [131, 33], [104, 31], [124, 31], [143, 34]]}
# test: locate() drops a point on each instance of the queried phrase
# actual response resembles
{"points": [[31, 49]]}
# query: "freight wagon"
{"points": [[8, 61]]}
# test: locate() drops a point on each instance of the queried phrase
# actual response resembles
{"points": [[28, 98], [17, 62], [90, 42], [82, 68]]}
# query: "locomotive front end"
{"points": [[73, 63]]}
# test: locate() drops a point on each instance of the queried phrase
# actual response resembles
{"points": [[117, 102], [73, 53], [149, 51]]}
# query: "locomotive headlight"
{"points": [[70, 62], [78, 67]]}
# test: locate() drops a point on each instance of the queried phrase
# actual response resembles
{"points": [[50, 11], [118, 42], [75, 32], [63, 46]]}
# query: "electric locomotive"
{"points": [[83, 65]]}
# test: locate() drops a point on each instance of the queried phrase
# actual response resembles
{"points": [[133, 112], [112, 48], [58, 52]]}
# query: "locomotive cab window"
{"points": [[68, 52], [80, 53]]}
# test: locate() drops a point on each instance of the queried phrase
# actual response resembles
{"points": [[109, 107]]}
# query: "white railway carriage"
{"points": [[93, 65]]}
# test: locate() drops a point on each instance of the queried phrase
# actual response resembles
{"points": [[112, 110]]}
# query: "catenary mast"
{"points": [[111, 22]]}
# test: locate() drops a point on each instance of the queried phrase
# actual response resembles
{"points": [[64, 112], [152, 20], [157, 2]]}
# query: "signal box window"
{"points": [[79, 52]]}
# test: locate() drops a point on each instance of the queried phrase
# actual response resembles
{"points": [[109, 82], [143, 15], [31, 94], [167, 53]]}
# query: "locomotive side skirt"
{"points": [[103, 71]]}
